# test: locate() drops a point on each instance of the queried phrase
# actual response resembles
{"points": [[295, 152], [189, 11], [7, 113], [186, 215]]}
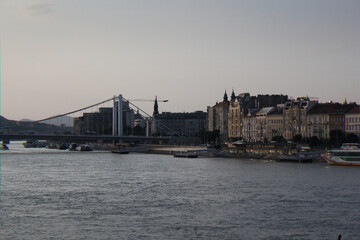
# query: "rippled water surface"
{"points": [[54, 194]]}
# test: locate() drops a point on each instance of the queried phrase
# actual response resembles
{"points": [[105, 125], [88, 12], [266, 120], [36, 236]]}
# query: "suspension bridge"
{"points": [[92, 123]]}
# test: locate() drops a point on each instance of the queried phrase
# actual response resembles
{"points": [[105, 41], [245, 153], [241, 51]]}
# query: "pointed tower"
{"points": [[233, 96], [225, 97], [156, 107]]}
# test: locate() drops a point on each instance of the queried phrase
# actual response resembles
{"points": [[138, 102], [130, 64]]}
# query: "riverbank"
{"points": [[273, 151]]}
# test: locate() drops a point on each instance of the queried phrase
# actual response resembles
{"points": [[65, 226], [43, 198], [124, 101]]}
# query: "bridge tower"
{"points": [[117, 123]]}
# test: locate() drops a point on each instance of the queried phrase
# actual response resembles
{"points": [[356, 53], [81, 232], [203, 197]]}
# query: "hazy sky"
{"points": [[60, 55]]}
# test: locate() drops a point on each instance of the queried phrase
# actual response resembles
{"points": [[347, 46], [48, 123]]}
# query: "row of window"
{"points": [[337, 119], [352, 120], [274, 121], [352, 127]]}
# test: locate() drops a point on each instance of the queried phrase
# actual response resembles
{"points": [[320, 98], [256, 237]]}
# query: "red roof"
{"points": [[331, 108], [221, 104], [354, 110]]}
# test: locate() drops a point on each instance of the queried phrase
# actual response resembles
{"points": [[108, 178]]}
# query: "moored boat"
{"points": [[4, 147], [73, 147], [300, 158], [120, 151], [84, 148], [34, 144], [185, 155], [348, 155]]}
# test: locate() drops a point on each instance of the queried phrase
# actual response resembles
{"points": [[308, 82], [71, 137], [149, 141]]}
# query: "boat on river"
{"points": [[348, 155], [120, 151], [4, 147], [299, 158], [185, 155], [84, 148], [34, 144]]}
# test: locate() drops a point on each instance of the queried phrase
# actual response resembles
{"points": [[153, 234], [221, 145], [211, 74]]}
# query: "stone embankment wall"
{"points": [[171, 149], [261, 150]]}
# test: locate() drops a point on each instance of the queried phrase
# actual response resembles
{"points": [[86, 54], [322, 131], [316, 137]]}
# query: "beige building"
{"points": [[352, 121], [235, 118], [295, 117], [217, 119], [275, 124], [318, 121], [325, 117]]}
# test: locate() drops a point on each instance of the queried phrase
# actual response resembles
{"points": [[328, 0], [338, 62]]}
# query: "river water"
{"points": [[53, 194]]}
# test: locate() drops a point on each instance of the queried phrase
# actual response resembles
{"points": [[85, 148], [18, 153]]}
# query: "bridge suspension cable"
{"points": [[79, 110], [160, 125]]}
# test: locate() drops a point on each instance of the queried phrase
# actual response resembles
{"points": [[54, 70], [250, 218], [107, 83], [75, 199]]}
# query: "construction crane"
{"points": [[155, 101], [148, 100]]}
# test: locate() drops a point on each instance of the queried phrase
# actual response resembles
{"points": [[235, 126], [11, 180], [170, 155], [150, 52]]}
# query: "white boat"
{"points": [[348, 155], [84, 147]]}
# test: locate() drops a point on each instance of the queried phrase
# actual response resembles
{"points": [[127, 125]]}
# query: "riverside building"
{"points": [[180, 124], [241, 105], [100, 123], [352, 121], [217, 118], [295, 117]]}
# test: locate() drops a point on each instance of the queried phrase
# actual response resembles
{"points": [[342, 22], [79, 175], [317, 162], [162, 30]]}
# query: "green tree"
{"points": [[336, 138], [297, 138], [279, 139], [139, 131], [351, 138], [213, 136], [202, 136], [314, 141]]}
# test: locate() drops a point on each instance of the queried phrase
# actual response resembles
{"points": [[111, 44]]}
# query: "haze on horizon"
{"points": [[61, 55]]}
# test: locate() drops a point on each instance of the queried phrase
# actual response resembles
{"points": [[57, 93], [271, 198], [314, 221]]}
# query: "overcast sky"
{"points": [[60, 55]]}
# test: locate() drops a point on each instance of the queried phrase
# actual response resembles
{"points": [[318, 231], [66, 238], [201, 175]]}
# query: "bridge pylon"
{"points": [[117, 124]]}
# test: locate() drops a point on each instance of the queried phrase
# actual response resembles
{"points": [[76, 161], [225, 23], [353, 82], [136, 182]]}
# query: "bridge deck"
{"points": [[75, 138]]}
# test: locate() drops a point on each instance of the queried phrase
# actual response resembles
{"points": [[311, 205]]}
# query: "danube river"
{"points": [[53, 194]]}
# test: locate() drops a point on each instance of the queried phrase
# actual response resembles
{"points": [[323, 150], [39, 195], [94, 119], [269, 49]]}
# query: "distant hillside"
{"points": [[3, 120], [26, 127], [65, 120]]}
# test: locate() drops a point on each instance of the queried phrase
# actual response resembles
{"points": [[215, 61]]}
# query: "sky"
{"points": [[62, 55]]}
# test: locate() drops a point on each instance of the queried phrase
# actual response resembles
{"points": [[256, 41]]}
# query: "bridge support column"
{"points": [[118, 116], [114, 120]]}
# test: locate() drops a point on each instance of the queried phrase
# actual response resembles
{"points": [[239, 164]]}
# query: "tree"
{"points": [[336, 138], [279, 139], [297, 138], [213, 136], [314, 141], [139, 131], [202, 135], [352, 138]]}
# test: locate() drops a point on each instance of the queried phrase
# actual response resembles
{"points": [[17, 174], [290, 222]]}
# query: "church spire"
{"points": [[156, 107], [233, 96], [225, 97]]}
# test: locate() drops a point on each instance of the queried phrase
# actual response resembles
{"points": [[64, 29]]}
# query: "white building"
{"points": [[352, 121], [249, 127], [261, 128]]}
